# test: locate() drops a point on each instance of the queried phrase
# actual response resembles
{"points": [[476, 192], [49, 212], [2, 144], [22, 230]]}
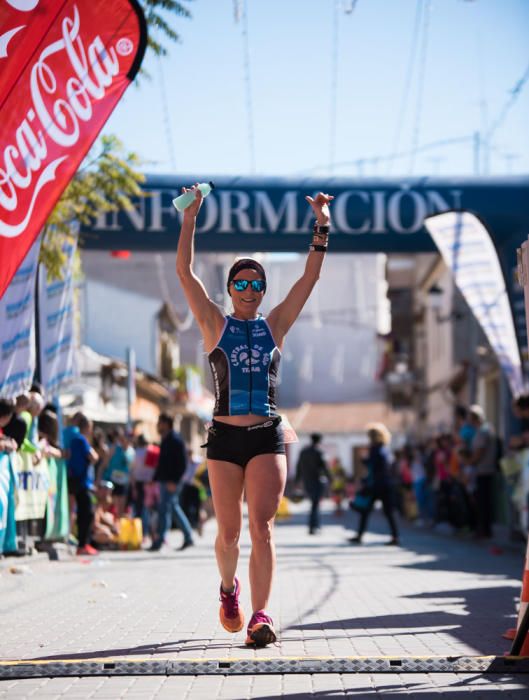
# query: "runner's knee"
{"points": [[261, 531], [228, 538]]}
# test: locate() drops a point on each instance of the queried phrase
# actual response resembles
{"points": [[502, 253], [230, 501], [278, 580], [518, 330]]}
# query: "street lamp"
{"points": [[435, 297]]}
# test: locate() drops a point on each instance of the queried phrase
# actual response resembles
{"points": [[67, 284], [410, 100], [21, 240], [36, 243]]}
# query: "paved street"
{"points": [[435, 596]]}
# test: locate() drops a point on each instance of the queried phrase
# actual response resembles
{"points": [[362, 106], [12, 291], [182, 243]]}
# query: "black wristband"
{"points": [[318, 248], [317, 228]]}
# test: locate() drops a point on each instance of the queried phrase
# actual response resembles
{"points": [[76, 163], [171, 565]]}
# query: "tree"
{"points": [[157, 24], [107, 180]]}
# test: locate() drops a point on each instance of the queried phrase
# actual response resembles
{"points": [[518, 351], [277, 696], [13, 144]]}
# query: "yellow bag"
{"points": [[283, 511], [130, 533]]}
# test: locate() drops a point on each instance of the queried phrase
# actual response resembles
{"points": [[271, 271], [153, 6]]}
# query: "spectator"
{"points": [[468, 479], [49, 434], [80, 483], [484, 454], [169, 472], [207, 511], [420, 488], [119, 468], [7, 411], [16, 428], [406, 497], [521, 411], [464, 428], [142, 474], [190, 496], [312, 472], [513, 465], [379, 481], [100, 446], [106, 526], [442, 480], [30, 416], [338, 484], [71, 431]]}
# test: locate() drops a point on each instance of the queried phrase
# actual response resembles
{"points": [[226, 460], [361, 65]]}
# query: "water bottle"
{"points": [[185, 199]]}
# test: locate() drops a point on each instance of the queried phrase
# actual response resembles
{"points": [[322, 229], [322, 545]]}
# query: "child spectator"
{"points": [[106, 528]]}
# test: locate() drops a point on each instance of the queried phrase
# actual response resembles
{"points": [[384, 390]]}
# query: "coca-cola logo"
{"points": [[124, 47], [61, 101]]}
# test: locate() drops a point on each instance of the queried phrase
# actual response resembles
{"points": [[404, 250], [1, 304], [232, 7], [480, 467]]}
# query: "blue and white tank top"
{"points": [[245, 364]]}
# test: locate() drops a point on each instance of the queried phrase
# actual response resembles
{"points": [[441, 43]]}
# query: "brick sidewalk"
{"points": [[433, 596]]}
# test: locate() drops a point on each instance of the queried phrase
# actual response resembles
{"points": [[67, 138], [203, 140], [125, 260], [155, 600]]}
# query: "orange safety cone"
{"points": [[520, 645]]}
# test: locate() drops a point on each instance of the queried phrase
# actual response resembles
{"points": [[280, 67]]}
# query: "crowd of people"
{"points": [[113, 476], [462, 478]]}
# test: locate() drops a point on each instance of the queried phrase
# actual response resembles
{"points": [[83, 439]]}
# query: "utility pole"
{"points": [[477, 153]]}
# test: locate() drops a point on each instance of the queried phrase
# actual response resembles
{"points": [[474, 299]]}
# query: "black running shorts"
{"points": [[239, 444]]}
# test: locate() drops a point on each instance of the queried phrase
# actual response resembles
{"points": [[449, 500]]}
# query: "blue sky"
{"points": [[476, 52]]}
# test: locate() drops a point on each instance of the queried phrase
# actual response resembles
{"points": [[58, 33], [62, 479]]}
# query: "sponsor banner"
{"points": [[57, 511], [17, 328], [63, 68], [8, 542], [33, 485], [271, 214], [468, 250], [23, 24], [58, 347]]}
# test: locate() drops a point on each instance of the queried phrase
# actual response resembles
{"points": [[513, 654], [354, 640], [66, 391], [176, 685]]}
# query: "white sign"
{"points": [[58, 348], [468, 250], [17, 328]]}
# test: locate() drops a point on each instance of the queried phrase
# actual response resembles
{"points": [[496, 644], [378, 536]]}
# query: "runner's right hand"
{"points": [[193, 209]]}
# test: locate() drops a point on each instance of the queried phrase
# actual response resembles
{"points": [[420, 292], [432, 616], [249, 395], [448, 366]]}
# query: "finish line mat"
{"points": [[282, 665]]}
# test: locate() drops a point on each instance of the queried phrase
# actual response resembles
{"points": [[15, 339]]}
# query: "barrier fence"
{"points": [[32, 491]]}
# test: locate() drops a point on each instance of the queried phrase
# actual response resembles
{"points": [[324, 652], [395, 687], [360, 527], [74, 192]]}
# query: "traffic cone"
{"points": [[520, 645]]}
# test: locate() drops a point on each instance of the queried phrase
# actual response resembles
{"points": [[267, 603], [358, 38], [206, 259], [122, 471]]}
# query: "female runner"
{"points": [[245, 447]]}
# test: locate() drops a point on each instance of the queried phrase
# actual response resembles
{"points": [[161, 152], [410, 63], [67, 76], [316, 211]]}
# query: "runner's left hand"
{"points": [[320, 205]]}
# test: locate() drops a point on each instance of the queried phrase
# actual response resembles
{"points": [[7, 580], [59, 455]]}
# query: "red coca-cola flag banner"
{"points": [[64, 65]]}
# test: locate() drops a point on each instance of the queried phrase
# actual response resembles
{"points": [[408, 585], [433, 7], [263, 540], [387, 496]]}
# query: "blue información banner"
{"points": [[271, 214], [7, 504]]}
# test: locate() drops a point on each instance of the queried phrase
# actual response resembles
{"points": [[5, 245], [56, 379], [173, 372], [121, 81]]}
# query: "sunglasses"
{"points": [[241, 285]]}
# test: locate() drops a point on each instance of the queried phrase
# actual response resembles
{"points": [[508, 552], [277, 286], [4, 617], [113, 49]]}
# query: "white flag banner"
{"points": [[58, 348], [467, 249], [17, 327]]}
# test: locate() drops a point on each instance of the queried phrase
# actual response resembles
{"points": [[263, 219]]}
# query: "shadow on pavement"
{"points": [[494, 605], [486, 686], [143, 650]]}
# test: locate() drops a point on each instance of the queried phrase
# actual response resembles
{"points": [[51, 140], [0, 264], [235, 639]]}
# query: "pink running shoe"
{"points": [[260, 630], [231, 616]]}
